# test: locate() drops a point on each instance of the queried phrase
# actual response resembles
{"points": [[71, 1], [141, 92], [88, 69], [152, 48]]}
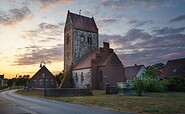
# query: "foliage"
{"points": [[10, 82], [176, 83], [22, 80], [138, 85], [59, 77], [153, 85]]}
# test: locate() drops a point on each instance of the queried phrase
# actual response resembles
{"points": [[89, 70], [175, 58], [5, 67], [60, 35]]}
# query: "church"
{"points": [[84, 61]]}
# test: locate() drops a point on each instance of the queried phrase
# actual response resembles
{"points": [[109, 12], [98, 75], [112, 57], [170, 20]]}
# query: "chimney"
{"points": [[105, 45]]}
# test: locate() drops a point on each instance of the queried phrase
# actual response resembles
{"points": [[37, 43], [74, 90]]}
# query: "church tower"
{"points": [[80, 37]]}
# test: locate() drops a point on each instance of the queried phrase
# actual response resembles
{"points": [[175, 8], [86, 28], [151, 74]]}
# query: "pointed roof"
{"points": [[83, 22], [132, 71], [174, 68], [43, 69]]}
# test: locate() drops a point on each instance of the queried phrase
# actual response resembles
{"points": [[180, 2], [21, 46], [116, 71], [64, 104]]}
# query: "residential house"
{"points": [[98, 68], [134, 71], [174, 68], [37, 81]]}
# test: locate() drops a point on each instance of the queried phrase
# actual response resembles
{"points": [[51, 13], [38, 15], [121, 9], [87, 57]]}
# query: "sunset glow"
{"points": [[140, 32]]}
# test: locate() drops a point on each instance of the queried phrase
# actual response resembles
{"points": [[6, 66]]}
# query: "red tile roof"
{"points": [[83, 23], [131, 71], [174, 68]]}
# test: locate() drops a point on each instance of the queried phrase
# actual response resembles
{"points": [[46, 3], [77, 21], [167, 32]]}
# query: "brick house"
{"points": [[134, 71], [97, 68], [174, 68], [37, 81]]}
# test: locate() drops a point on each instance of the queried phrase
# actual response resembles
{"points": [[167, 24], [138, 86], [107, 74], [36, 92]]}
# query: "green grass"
{"points": [[163, 103]]}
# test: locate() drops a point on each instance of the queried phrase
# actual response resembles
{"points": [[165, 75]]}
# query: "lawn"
{"points": [[170, 102]]}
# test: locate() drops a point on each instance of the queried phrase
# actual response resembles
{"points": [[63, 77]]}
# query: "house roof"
{"points": [[174, 68], [132, 71], [43, 70], [82, 22], [106, 59]]}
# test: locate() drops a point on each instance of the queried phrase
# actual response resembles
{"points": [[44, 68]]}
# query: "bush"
{"points": [[176, 84], [153, 85], [138, 85]]}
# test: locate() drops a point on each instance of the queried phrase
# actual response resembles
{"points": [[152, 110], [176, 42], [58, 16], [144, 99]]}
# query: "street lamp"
{"points": [[43, 75]]}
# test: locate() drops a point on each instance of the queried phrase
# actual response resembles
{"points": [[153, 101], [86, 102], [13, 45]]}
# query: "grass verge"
{"points": [[163, 103]]}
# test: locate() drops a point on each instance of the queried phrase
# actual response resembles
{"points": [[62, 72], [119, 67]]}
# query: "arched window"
{"points": [[82, 77], [46, 81], [82, 38], [76, 77], [89, 40], [40, 81], [52, 82], [34, 81]]}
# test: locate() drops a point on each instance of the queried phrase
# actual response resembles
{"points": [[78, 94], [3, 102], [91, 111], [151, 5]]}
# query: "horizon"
{"points": [[140, 32]]}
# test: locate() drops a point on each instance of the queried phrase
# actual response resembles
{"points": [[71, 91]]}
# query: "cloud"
{"points": [[14, 16], [148, 4], [106, 22], [178, 18], [138, 23], [140, 47], [168, 30], [44, 4], [37, 54], [44, 32]]}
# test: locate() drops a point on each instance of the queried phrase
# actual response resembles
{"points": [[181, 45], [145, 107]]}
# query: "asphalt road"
{"points": [[43, 106]]}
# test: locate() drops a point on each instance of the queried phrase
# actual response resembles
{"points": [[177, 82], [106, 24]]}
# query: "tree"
{"points": [[10, 82], [59, 77], [138, 85]]}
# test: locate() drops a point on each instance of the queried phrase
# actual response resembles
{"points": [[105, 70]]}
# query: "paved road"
{"points": [[42, 106]]}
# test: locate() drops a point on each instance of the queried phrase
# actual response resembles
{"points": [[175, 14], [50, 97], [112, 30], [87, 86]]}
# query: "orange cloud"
{"points": [[54, 3]]}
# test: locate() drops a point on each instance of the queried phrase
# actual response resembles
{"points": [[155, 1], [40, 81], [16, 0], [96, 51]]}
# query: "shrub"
{"points": [[138, 85], [153, 85], [176, 84]]}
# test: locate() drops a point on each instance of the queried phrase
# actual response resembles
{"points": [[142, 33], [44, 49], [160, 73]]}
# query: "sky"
{"points": [[140, 31]]}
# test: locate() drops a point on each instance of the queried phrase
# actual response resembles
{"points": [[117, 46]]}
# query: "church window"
{"points": [[34, 81], [82, 38], [101, 76], [52, 81], [82, 77], [89, 40], [46, 81], [76, 77]]}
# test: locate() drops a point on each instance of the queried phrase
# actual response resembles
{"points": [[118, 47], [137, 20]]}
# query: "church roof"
{"points": [[101, 56], [83, 22], [132, 71], [174, 68], [85, 61]]}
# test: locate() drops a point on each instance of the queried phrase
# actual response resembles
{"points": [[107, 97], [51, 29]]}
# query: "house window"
{"points": [[89, 40], [52, 82], [41, 82], [34, 81], [174, 70], [82, 77], [46, 81], [76, 77], [101, 76]]}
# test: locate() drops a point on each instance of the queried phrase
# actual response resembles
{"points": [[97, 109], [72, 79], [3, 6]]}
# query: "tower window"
{"points": [[82, 38], [89, 40], [82, 77], [76, 77]]}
